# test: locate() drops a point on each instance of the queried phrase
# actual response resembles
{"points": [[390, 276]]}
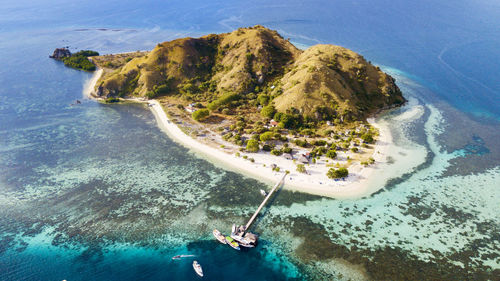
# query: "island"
{"points": [[255, 103], [79, 60]]}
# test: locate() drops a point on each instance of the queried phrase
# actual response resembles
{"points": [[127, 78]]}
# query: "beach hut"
{"points": [[273, 123], [190, 109]]}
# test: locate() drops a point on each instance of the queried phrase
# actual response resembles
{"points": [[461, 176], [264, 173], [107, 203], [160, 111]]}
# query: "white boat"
{"points": [[244, 242], [263, 192], [197, 268], [219, 236]]}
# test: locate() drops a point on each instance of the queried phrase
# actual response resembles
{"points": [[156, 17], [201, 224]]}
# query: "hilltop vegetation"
{"points": [[79, 60]]}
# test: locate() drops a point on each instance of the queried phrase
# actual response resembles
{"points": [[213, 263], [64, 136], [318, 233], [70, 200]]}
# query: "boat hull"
{"points": [[219, 236], [197, 268]]}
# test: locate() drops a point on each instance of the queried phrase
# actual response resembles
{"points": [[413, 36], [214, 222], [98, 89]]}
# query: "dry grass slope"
{"points": [[323, 79]]}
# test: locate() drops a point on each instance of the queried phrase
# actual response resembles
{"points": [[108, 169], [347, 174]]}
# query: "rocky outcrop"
{"points": [[60, 53]]}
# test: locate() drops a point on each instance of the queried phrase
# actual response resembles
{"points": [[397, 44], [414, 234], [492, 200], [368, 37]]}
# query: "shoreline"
{"points": [[362, 181]]}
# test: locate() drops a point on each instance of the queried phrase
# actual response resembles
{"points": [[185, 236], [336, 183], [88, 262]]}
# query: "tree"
{"points": [[200, 114], [266, 147], [266, 136], [223, 100], [301, 143], [253, 145], [263, 99], [276, 152], [367, 138], [331, 154], [336, 174], [268, 111], [301, 168]]}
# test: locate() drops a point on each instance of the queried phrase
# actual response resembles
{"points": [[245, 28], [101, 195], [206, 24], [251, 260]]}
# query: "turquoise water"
{"points": [[98, 192]]}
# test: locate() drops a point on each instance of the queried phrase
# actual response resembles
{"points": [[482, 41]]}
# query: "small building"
{"points": [[190, 109], [273, 123], [304, 157]]}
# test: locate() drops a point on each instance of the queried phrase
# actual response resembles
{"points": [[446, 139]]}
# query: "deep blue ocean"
{"points": [[99, 192]]}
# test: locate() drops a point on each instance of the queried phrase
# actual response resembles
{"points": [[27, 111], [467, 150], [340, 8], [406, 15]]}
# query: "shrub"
{"points": [[86, 53], [288, 121], [287, 150], [263, 99], [237, 154], [111, 100], [200, 114], [79, 62], [253, 145], [354, 149], [307, 132], [367, 138], [266, 136], [319, 143], [266, 147], [331, 154], [227, 136], [276, 152], [268, 111], [223, 100], [301, 143], [301, 168], [336, 174]]}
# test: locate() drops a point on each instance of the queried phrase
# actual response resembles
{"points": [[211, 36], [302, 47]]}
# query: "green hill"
{"points": [[250, 67]]}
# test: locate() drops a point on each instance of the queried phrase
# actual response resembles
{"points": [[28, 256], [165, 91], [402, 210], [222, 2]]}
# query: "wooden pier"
{"points": [[249, 223]]}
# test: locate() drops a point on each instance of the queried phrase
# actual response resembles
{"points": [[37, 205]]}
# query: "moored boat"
{"points": [[244, 241], [263, 192], [197, 268], [219, 236], [232, 243]]}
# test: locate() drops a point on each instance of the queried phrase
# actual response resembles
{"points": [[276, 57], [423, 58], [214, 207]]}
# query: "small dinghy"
{"points": [[263, 192], [197, 268], [178, 257]]}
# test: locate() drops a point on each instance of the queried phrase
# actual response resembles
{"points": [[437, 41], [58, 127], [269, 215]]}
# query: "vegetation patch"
{"points": [[80, 60]]}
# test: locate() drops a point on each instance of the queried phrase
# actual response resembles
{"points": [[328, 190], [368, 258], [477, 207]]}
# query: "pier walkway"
{"points": [[249, 223]]}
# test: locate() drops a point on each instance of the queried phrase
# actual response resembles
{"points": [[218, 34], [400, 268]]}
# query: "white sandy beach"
{"points": [[362, 181]]}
